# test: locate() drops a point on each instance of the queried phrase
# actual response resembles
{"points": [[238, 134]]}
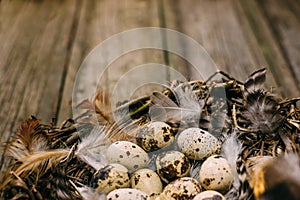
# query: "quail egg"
{"points": [[198, 144], [154, 136], [128, 154], [128, 194], [215, 174], [146, 180], [209, 195], [110, 177], [171, 165], [183, 188]]}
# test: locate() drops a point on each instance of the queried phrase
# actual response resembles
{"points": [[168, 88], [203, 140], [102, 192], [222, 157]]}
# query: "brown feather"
{"points": [[255, 81], [101, 105], [29, 138]]}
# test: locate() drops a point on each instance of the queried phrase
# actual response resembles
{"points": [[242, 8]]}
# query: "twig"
{"points": [[235, 121]]}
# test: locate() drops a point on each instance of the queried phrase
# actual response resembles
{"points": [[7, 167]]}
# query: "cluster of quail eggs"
{"points": [[158, 166]]}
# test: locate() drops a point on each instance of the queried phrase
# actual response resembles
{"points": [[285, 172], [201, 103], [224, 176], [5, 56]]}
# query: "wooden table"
{"points": [[43, 43]]}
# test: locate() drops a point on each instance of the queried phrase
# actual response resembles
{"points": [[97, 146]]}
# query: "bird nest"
{"points": [[258, 132]]}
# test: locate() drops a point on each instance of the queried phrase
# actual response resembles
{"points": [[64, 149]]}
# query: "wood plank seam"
{"points": [[277, 37], [162, 24], [270, 49], [70, 45]]}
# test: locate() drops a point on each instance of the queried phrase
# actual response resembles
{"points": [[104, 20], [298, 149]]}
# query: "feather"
{"points": [[255, 81], [191, 106], [88, 193], [244, 192], [262, 108], [40, 161], [184, 108], [186, 98], [37, 164], [164, 109], [231, 149], [255, 166], [28, 139], [132, 110], [160, 99], [119, 124], [275, 178], [282, 178], [172, 114], [92, 147], [195, 169], [262, 111], [100, 104]]}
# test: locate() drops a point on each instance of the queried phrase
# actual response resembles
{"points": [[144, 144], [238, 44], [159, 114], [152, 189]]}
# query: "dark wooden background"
{"points": [[43, 43]]}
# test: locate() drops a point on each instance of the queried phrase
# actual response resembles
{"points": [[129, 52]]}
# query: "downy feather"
{"points": [[88, 193], [231, 149], [186, 108], [92, 147], [261, 106], [186, 98]]}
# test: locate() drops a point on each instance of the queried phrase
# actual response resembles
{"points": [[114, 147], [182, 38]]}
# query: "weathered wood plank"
{"points": [[283, 19], [99, 20], [35, 43], [270, 48], [221, 33], [43, 44]]}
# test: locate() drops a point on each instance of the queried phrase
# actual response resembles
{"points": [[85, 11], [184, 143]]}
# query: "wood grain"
{"points": [[43, 44], [98, 22], [220, 33], [34, 48], [239, 40], [269, 45], [283, 19]]}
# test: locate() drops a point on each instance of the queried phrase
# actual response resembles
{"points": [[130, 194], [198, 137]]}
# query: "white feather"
{"points": [[88, 193], [188, 102], [93, 147], [231, 148], [186, 98], [188, 108], [195, 169]]}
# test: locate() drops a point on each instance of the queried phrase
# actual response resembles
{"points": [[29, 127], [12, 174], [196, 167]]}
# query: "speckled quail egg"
{"points": [[146, 180], [215, 174], [209, 195], [128, 154], [127, 194], [110, 177], [198, 144], [171, 165], [154, 136], [183, 188]]}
